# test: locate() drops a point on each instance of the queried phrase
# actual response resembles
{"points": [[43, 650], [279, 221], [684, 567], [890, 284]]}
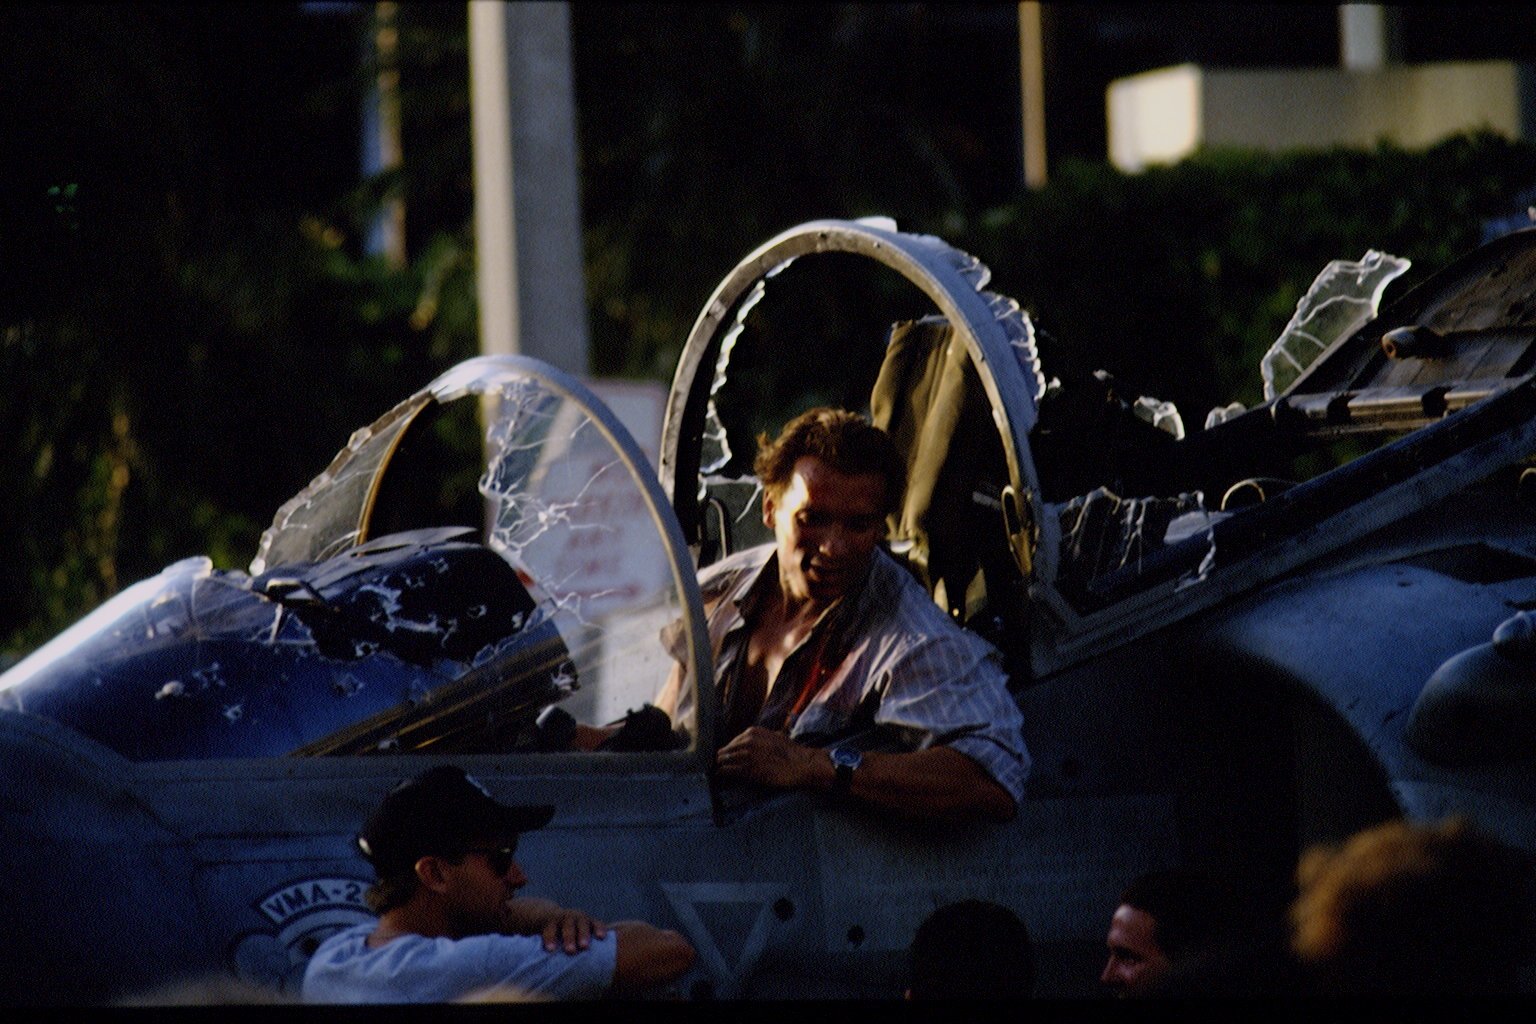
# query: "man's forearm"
{"points": [[935, 783], [559, 927], [647, 956], [527, 915], [939, 782]]}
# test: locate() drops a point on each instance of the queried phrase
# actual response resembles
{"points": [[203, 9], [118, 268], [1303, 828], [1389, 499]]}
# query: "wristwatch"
{"points": [[845, 760]]}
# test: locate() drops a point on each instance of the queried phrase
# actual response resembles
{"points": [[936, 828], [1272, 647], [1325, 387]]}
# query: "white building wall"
{"points": [[1165, 115]]}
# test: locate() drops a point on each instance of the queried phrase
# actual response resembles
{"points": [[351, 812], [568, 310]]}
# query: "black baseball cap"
{"points": [[441, 811]]}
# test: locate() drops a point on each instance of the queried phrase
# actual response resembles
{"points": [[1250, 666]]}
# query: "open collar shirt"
{"points": [[882, 655]]}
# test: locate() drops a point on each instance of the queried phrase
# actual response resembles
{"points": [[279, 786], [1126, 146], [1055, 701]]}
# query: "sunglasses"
{"points": [[499, 858]]}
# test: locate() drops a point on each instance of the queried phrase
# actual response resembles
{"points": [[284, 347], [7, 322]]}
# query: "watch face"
{"points": [[846, 757]]}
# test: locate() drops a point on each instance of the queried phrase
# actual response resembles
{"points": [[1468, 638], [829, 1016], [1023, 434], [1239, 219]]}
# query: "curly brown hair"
{"points": [[1405, 907], [845, 441]]}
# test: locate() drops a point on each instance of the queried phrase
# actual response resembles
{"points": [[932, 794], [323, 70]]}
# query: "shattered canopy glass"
{"points": [[571, 515], [1114, 546], [1343, 298], [437, 638]]}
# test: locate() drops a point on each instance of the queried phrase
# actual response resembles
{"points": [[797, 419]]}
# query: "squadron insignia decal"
{"points": [[303, 914]]}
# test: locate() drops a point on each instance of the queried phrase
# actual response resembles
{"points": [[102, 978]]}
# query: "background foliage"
{"points": [[190, 325]]}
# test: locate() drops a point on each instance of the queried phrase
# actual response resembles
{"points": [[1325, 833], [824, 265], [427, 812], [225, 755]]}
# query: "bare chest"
{"points": [[769, 646]]}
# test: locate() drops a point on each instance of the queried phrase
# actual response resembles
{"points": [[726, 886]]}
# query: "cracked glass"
{"points": [[1342, 299], [435, 637], [1113, 546], [570, 517]]}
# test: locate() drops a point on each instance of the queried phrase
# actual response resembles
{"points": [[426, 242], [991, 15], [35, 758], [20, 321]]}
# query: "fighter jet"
{"points": [[1227, 643]]}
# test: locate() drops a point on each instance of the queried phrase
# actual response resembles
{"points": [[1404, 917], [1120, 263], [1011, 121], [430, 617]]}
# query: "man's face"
{"points": [[1136, 962], [826, 525], [479, 886]]}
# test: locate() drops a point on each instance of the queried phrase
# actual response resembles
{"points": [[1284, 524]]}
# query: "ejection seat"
{"points": [[950, 529]]}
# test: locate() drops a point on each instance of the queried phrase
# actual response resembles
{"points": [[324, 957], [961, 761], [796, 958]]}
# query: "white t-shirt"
{"points": [[416, 969]]}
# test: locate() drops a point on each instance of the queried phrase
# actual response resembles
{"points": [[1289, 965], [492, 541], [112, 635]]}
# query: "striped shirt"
{"points": [[883, 655]]}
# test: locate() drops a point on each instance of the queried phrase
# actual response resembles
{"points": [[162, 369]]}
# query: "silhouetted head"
{"points": [[972, 950], [447, 817]]}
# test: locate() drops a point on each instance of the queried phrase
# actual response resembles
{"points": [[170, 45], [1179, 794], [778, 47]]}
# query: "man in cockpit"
{"points": [[834, 668]]}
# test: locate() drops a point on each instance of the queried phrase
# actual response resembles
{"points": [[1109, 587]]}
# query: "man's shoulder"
{"points": [[907, 606], [720, 576], [347, 942]]}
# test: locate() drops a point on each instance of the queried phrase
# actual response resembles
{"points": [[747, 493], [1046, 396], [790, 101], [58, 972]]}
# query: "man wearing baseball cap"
{"points": [[451, 925]]}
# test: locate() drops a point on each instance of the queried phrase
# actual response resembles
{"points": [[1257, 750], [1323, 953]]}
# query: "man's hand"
{"points": [[560, 927], [770, 758], [587, 738]]}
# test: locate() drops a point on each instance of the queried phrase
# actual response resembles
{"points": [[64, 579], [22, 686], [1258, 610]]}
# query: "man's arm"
{"points": [[560, 927], [647, 956], [934, 783], [589, 737]]}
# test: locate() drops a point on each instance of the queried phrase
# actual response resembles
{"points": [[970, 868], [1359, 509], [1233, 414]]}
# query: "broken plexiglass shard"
{"points": [[1162, 415], [323, 518], [570, 516], [1113, 546], [1342, 299], [715, 452], [1222, 413]]}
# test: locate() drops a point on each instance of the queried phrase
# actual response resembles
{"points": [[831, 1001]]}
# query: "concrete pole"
{"points": [[382, 149], [1032, 84], [530, 285]]}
